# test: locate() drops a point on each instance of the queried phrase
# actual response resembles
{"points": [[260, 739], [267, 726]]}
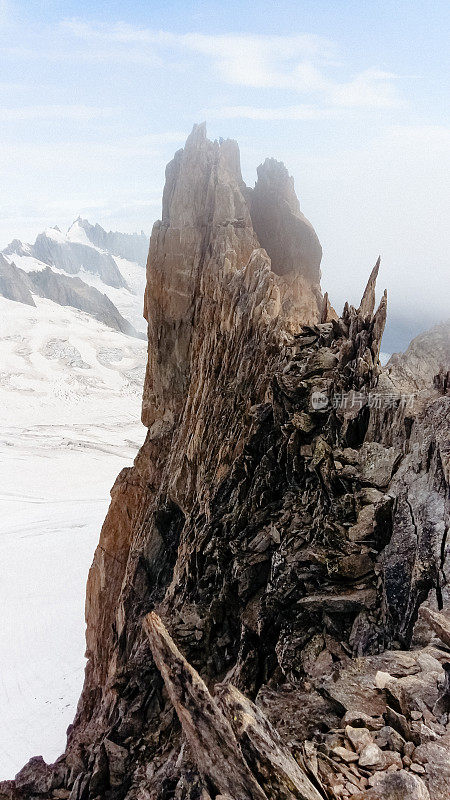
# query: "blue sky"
{"points": [[353, 97]]}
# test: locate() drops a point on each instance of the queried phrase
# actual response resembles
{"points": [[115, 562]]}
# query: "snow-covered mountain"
{"points": [[72, 370], [71, 270], [133, 247]]}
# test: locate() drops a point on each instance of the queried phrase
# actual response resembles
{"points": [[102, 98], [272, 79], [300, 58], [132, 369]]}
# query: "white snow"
{"points": [[128, 301], [70, 391], [27, 263], [76, 233], [56, 235]]}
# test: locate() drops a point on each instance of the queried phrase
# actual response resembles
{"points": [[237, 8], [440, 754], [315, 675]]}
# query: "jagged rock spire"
{"points": [[328, 312], [281, 228], [212, 227], [368, 299]]}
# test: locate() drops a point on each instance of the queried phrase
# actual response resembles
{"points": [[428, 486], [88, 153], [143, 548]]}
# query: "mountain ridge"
{"points": [[277, 524], [70, 270]]}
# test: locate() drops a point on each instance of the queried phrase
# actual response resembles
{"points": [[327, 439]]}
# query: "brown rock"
{"points": [[35, 776], [359, 737], [361, 720], [345, 754], [438, 622], [377, 463], [392, 759], [235, 511]]}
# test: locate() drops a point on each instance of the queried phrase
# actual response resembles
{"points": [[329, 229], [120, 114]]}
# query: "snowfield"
{"points": [[70, 393]]}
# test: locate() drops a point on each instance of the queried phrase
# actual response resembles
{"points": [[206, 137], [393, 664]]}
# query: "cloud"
{"points": [[370, 89], [88, 157], [95, 56], [387, 195], [43, 112], [298, 63], [302, 112]]}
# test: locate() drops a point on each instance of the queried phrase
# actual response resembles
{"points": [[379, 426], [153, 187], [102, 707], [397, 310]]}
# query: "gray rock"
{"points": [[371, 756], [13, 283], [74, 292], [377, 463], [399, 785], [390, 738], [73, 256]]}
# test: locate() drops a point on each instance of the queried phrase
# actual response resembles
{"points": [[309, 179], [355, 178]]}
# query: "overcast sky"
{"points": [[96, 96]]}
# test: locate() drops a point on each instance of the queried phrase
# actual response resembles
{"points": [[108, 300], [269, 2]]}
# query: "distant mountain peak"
{"points": [[89, 269], [132, 246]]}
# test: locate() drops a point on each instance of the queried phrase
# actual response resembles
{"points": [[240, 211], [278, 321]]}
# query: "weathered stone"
{"points": [[399, 785], [272, 763], [36, 776], [382, 679], [345, 754], [117, 760], [390, 738], [208, 731], [438, 622], [359, 737], [398, 721], [351, 567], [296, 713], [361, 720], [376, 463], [392, 759], [371, 756], [364, 527]]}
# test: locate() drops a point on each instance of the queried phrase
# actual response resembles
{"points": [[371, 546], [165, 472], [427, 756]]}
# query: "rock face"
{"points": [[262, 522], [427, 355], [289, 239], [76, 293], [13, 283]]}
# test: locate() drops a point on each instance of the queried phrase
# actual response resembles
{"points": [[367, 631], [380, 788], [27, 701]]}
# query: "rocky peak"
{"points": [[288, 237], [205, 253], [427, 355], [131, 246], [16, 247], [284, 543]]}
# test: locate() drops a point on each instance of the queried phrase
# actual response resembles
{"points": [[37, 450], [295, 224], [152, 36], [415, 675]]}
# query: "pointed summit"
{"points": [[368, 299], [287, 236]]}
